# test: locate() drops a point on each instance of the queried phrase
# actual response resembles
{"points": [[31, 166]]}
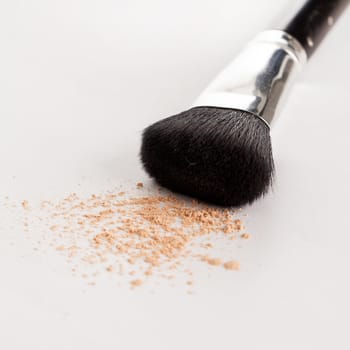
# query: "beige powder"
{"points": [[142, 235]]}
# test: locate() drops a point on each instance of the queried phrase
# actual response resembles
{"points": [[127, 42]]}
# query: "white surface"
{"points": [[79, 80]]}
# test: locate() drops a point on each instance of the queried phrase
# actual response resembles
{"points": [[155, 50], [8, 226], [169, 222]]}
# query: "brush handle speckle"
{"points": [[313, 21]]}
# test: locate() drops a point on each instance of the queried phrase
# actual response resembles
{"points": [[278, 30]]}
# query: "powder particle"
{"points": [[239, 224], [131, 261], [136, 283], [231, 265], [25, 204], [212, 261], [139, 185], [149, 272], [245, 235]]}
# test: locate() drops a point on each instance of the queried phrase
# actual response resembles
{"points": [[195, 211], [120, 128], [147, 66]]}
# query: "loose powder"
{"points": [[141, 236]]}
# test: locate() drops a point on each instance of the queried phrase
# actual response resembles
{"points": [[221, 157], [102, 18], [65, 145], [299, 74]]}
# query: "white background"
{"points": [[79, 80]]}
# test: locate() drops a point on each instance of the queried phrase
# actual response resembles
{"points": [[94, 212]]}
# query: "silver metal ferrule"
{"points": [[258, 80]]}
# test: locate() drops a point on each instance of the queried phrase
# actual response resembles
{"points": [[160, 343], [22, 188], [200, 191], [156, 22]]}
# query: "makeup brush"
{"points": [[219, 151]]}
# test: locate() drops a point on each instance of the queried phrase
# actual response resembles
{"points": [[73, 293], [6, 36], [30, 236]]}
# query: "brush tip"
{"points": [[221, 156]]}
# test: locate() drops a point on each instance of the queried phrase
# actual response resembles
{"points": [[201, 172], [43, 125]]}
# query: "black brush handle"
{"points": [[314, 20]]}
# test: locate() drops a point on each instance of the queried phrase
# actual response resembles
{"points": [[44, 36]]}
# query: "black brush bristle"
{"points": [[221, 156]]}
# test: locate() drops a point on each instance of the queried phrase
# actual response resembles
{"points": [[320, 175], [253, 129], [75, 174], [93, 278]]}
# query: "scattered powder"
{"points": [[145, 236]]}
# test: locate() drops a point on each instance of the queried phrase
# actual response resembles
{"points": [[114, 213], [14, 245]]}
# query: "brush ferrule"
{"points": [[258, 80]]}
